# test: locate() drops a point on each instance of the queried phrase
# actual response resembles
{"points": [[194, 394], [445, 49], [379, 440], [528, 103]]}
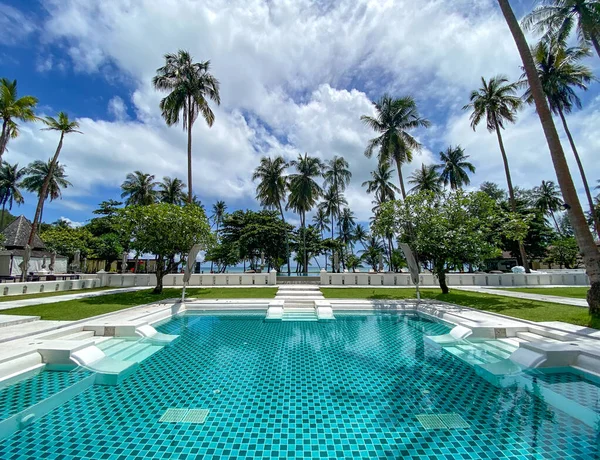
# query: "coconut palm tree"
{"points": [[426, 179], [64, 126], [304, 190], [10, 181], [219, 210], [333, 201], [13, 108], [39, 173], [547, 199], [585, 241], [139, 188], [560, 72], [272, 189], [454, 167], [337, 175], [190, 86], [321, 222], [381, 183], [172, 191], [556, 18], [393, 119], [496, 100], [372, 252], [360, 234], [347, 224]]}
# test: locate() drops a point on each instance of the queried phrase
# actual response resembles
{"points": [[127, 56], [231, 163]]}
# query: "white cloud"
{"points": [[287, 72], [15, 26], [72, 223], [117, 108]]}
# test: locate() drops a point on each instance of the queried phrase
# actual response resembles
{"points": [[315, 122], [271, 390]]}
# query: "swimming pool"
{"points": [[358, 386]]}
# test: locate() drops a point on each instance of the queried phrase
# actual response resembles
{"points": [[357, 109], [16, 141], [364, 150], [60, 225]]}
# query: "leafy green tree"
{"points": [[190, 86], [425, 179], [37, 173], [557, 18], [139, 189], [454, 168], [272, 187], [304, 190], [496, 100], [493, 191], [548, 200], [560, 73], [66, 240], [393, 120], [107, 247], [372, 252], [64, 126], [223, 255], [171, 191], [307, 244], [10, 181], [13, 108], [450, 230], [165, 230], [256, 234], [564, 252]]}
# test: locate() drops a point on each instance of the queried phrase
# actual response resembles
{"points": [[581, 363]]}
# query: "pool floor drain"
{"points": [[442, 421], [184, 416]]}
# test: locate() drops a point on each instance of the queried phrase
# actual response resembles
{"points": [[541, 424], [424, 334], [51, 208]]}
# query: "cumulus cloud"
{"points": [[295, 75]]}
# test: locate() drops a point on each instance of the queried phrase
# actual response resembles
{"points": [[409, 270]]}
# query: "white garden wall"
{"points": [[196, 280], [8, 289], [455, 279]]}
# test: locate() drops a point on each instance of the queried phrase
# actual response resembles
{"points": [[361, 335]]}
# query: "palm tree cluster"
{"points": [[140, 189]]}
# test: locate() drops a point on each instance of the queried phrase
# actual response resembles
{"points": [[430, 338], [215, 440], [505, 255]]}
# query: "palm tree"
{"points": [[454, 167], [381, 183], [556, 18], [560, 72], [360, 234], [219, 209], [321, 221], [337, 175], [190, 85], [347, 224], [426, 179], [65, 126], [139, 188], [13, 108], [333, 201], [372, 252], [585, 241], [304, 190], [497, 102], [394, 118], [547, 199], [272, 189], [171, 191], [10, 177], [40, 172]]}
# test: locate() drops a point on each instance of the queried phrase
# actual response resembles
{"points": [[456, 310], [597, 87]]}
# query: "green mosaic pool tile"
{"points": [[347, 388]]}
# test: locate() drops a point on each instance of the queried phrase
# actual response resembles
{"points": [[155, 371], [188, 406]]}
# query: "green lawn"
{"points": [[574, 292], [71, 310], [519, 308], [10, 298]]}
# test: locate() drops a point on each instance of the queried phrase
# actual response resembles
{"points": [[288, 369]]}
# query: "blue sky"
{"points": [[296, 75]]}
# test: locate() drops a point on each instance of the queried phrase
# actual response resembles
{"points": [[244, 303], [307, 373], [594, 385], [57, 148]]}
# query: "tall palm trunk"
{"points": [[400, 179], [287, 241], [582, 172], [44, 191], [589, 250], [332, 238], [189, 150], [3, 212], [511, 193], [555, 223], [4, 138], [596, 44]]}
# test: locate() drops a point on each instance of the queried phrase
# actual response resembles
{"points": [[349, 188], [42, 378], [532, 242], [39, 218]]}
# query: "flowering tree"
{"points": [[165, 230], [450, 230]]}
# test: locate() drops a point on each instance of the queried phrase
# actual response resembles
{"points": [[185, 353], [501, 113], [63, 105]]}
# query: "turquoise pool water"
{"points": [[350, 388]]}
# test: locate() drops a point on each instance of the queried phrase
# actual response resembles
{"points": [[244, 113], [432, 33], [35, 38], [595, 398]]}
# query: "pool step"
{"points": [[129, 350], [299, 314]]}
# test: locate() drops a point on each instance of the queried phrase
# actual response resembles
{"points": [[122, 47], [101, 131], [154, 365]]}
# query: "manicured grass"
{"points": [[10, 298], [573, 292], [71, 310], [519, 308]]}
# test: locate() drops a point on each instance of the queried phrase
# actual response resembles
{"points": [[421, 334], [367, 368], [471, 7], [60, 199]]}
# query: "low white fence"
{"points": [[455, 279], [35, 287], [196, 280]]}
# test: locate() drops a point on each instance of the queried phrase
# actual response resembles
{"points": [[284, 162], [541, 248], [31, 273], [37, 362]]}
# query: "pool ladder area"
{"points": [[299, 303]]}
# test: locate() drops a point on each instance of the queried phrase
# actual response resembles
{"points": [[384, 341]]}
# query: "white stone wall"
{"points": [[455, 279], [196, 280], [8, 289]]}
